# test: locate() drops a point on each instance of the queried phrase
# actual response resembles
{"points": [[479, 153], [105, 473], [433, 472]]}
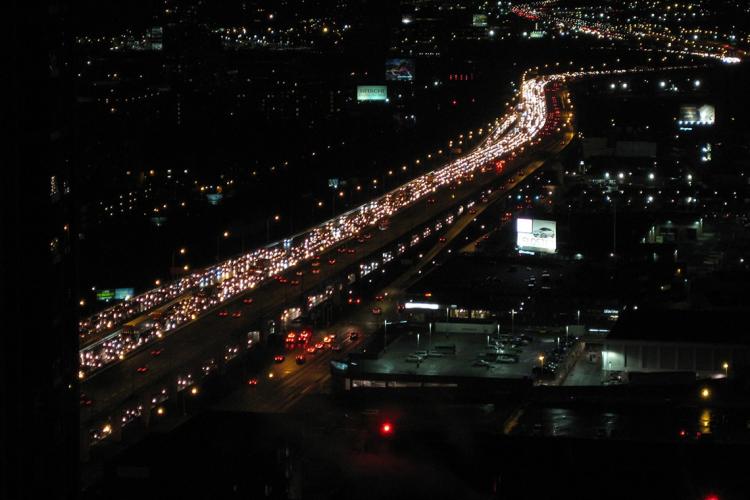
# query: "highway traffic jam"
{"points": [[107, 337]]}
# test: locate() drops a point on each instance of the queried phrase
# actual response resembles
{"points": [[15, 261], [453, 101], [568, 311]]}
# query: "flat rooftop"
{"points": [[469, 347]]}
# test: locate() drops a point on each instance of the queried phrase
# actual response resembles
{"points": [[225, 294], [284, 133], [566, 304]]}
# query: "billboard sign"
{"points": [[372, 93], [536, 235], [691, 114], [479, 20], [399, 70], [124, 293]]}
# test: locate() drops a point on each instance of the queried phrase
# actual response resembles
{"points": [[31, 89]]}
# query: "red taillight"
{"points": [[386, 429]]}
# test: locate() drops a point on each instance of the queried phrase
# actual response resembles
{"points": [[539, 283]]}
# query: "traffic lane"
{"points": [[405, 223], [99, 387], [122, 381], [289, 381]]}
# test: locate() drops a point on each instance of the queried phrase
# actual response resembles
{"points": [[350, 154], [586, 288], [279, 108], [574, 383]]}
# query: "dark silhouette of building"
{"points": [[38, 344]]}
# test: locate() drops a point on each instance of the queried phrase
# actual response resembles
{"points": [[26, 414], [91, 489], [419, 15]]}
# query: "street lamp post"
{"points": [[429, 338], [578, 313], [512, 316], [225, 235], [385, 334], [725, 366], [268, 226], [182, 251]]}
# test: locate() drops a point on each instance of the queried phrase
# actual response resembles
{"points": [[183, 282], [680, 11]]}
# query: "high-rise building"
{"points": [[38, 344]]}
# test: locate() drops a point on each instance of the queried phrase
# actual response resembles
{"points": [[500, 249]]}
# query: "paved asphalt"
{"points": [[209, 336]]}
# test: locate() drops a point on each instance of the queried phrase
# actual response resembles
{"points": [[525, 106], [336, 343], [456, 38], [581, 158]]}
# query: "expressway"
{"points": [[189, 349], [290, 383], [105, 343]]}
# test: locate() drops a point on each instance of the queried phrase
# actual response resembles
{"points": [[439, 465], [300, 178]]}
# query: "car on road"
{"points": [[354, 300], [481, 362], [506, 358], [248, 300], [431, 200], [252, 382], [142, 369], [278, 358], [376, 311], [283, 280], [331, 261], [299, 273], [353, 335], [379, 298], [156, 352], [319, 346], [442, 239], [294, 282], [311, 349], [316, 270], [315, 263], [351, 251], [223, 313], [84, 400], [237, 314], [300, 359]]}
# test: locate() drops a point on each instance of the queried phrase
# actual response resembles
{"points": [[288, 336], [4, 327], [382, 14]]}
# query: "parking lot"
{"points": [[467, 355]]}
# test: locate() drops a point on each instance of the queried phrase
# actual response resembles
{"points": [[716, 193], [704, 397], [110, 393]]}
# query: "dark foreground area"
{"points": [[443, 453]]}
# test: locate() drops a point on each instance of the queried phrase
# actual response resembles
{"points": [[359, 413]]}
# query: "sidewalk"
{"points": [[584, 373]]}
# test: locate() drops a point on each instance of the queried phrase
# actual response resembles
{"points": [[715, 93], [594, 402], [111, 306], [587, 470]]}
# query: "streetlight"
{"points": [[385, 333], [513, 313], [276, 218], [541, 363], [725, 365], [429, 338], [578, 313], [182, 251], [225, 234], [705, 393]]}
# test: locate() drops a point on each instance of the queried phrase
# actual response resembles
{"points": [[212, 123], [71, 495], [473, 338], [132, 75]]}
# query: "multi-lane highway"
{"points": [[104, 341], [140, 378]]}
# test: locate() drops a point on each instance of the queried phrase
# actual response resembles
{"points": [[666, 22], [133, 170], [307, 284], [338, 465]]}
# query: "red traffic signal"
{"points": [[386, 429]]}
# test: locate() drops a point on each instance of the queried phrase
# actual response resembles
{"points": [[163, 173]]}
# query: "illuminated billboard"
{"points": [[124, 293], [536, 235], [479, 20], [691, 114], [401, 70], [372, 93]]}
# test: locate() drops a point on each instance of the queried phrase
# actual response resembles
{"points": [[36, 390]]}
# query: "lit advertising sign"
{"points": [[372, 93], [697, 115], [479, 20], [401, 70], [123, 293], [421, 305], [536, 235]]}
